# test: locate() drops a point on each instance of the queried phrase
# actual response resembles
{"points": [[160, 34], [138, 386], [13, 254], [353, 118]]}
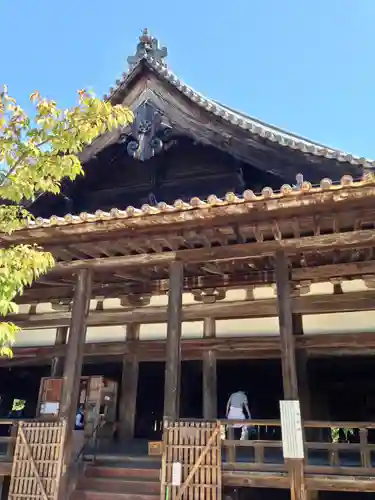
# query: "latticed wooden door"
{"points": [[37, 462], [191, 467]]}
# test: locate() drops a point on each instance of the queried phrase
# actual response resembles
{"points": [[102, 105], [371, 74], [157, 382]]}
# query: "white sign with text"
{"points": [[291, 429], [176, 474]]}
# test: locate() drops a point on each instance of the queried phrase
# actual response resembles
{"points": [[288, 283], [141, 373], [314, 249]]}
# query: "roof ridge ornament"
{"points": [[148, 46], [299, 182]]}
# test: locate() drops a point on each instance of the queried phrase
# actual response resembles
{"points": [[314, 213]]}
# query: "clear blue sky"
{"points": [[304, 65]]}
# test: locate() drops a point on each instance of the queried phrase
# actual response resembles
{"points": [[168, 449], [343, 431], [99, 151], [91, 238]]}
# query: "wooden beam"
{"points": [[129, 385], [254, 347], [121, 262], [209, 374], [335, 482], [341, 483], [245, 251], [344, 270], [136, 276], [310, 304], [252, 480], [173, 346], [57, 364], [216, 279], [73, 365]]}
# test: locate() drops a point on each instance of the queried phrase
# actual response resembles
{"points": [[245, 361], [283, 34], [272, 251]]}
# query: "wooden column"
{"points": [[209, 373], [288, 363], [129, 386], [57, 364], [284, 307], [73, 365], [173, 347]]}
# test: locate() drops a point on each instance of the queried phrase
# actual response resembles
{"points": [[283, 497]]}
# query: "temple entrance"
{"points": [[261, 380], [191, 398], [150, 396], [150, 401], [343, 388]]}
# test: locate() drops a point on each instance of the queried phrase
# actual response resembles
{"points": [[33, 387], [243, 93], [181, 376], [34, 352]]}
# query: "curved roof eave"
{"points": [[236, 118]]}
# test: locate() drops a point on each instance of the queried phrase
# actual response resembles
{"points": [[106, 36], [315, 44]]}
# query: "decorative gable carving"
{"points": [[148, 133]]}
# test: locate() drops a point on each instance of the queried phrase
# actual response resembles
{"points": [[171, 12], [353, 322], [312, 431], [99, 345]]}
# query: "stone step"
{"points": [[100, 495], [123, 485], [123, 457], [105, 471]]}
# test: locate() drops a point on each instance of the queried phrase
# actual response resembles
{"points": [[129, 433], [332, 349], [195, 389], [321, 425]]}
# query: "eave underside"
{"points": [[222, 247]]}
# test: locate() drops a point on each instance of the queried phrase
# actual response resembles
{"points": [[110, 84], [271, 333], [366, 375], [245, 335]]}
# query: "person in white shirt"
{"points": [[238, 409], [80, 419]]}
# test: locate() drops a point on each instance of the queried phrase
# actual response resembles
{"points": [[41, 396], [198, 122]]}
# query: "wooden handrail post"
{"points": [[365, 452], [12, 442], [231, 449]]}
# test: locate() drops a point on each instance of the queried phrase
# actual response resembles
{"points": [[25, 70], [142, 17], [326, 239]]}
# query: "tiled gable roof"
{"points": [[236, 118]]}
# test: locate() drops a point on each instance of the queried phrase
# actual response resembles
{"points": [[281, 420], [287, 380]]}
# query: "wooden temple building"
{"points": [[203, 252]]}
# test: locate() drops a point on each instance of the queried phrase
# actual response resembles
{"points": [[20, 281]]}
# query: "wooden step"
{"points": [[102, 471], [100, 495], [114, 485], [114, 458]]}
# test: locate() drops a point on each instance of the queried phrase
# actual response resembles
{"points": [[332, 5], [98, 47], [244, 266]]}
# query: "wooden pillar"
{"points": [[57, 364], [73, 368], [288, 363], [173, 347], [129, 385], [209, 373], [284, 307]]}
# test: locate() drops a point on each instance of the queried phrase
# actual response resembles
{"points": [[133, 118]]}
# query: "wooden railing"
{"points": [[8, 435], [330, 447]]}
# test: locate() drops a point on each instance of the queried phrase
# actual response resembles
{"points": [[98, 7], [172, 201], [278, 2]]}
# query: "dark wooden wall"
{"points": [[115, 180]]}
